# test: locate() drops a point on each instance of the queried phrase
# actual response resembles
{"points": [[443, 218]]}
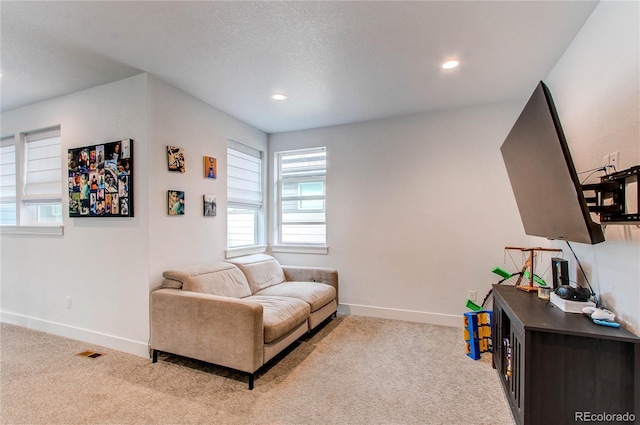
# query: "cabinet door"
{"points": [[516, 380], [497, 336]]}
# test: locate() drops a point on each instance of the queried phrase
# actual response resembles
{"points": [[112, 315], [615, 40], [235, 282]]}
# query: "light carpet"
{"points": [[354, 370]]}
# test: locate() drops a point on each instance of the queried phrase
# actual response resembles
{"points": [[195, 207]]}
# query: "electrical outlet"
{"points": [[614, 160], [68, 302], [473, 295]]}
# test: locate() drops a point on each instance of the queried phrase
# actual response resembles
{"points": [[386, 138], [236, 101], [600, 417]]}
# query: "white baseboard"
{"points": [[92, 337], [398, 314], [141, 349]]}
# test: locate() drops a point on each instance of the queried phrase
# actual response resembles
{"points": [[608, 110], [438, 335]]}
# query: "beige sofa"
{"points": [[241, 313]]}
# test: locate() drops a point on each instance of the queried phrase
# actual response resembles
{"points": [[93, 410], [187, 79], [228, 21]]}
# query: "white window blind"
{"points": [[302, 196], [43, 167], [244, 175], [8, 180], [8, 168], [31, 179], [244, 194]]}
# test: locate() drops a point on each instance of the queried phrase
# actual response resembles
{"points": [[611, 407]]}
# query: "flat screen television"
{"points": [[542, 175]]}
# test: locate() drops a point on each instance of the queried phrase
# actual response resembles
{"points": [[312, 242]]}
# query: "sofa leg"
{"points": [[154, 355], [251, 376]]}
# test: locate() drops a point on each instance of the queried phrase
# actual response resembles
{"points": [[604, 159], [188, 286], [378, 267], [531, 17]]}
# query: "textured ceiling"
{"points": [[339, 62]]}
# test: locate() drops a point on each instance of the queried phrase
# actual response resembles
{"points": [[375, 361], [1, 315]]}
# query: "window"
{"points": [[31, 179], [301, 188], [8, 181], [244, 195], [306, 190]]}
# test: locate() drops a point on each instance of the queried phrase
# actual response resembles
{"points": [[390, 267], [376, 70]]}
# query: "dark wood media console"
{"points": [[559, 368]]}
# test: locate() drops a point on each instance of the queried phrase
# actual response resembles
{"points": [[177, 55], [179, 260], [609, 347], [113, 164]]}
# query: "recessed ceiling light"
{"points": [[451, 63], [278, 96]]}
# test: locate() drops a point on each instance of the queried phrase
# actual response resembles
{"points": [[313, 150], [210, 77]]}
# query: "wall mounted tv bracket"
{"points": [[616, 198]]}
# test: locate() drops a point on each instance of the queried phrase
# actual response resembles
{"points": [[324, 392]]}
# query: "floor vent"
{"points": [[89, 353]]}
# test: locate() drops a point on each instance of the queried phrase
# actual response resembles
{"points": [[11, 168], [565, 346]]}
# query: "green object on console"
{"points": [[501, 272], [473, 306]]}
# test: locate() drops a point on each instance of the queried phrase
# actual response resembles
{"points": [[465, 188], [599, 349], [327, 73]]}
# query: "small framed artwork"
{"points": [[175, 202], [101, 180], [210, 167], [209, 202], [175, 159]]}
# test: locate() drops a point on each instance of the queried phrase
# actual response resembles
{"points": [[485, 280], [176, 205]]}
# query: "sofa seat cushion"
{"points": [[280, 315], [317, 295], [219, 278], [262, 271]]}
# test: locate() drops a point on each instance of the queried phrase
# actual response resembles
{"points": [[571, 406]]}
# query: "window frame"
{"points": [[9, 200], [28, 206], [252, 200], [300, 247]]}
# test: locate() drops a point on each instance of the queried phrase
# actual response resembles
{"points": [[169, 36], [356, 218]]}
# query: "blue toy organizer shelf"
{"points": [[477, 332]]}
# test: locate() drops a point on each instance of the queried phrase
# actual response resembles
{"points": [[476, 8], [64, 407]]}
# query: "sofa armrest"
{"points": [[221, 330], [312, 274]]}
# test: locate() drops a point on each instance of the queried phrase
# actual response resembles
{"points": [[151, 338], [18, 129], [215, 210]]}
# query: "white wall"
{"points": [[426, 260], [102, 264], [596, 88], [108, 266], [179, 119], [419, 209]]}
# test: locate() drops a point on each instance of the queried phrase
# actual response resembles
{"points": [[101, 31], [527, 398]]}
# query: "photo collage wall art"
{"points": [[101, 180]]}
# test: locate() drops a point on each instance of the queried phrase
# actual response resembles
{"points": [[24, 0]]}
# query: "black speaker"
{"points": [[567, 292], [560, 271]]}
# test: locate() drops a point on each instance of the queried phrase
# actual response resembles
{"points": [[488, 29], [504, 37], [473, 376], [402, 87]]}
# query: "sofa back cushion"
{"points": [[212, 278], [262, 271]]}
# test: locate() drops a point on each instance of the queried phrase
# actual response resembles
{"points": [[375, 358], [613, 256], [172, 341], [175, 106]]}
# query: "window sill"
{"points": [[245, 250], [32, 230], [301, 249]]}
